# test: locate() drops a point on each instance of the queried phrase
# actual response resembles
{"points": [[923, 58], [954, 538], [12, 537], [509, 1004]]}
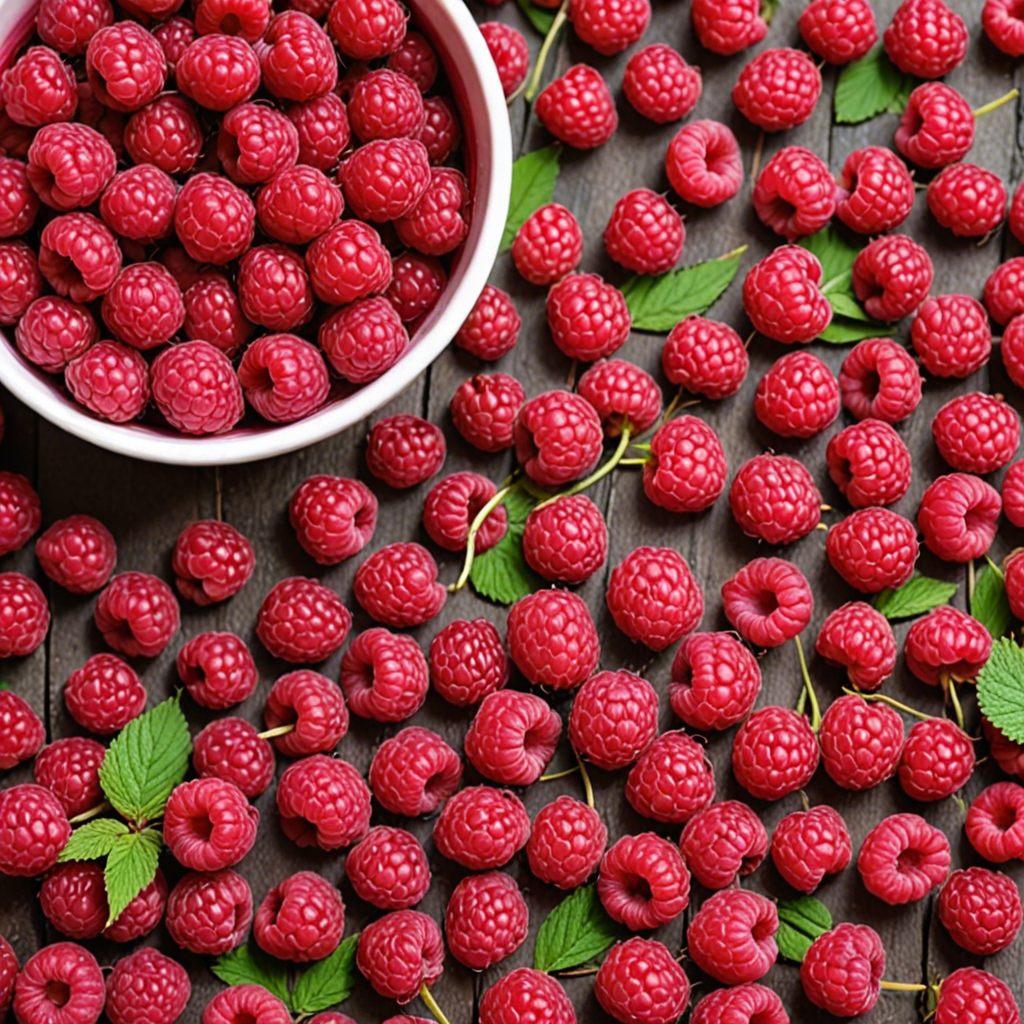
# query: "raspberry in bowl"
{"points": [[206, 239]]}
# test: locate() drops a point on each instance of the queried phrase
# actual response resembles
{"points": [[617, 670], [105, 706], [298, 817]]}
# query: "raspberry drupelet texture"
{"points": [[860, 639], [861, 743], [209, 824], [660, 85], [333, 517], [274, 289], [926, 38], [78, 256], [20, 511], [609, 26], [165, 134], [125, 65], [301, 621], [740, 1003], [875, 191], [210, 913], [768, 601], [69, 27], [672, 780], [9, 968], [385, 104], [995, 822], [217, 670], [639, 982], [144, 307], [775, 752], [298, 204], [484, 410], [552, 639], [798, 396], [732, 936], [414, 772], [808, 845], [218, 72], [869, 463], [33, 830], [324, 802], [644, 233], [231, 749], [492, 328], [686, 469], [70, 769], [723, 843], [362, 340], [892, 276], [715, 681], [452, 506], [212, 561], [526, 995], [24, 615], [903, 858], [61, 982], [778, 89], [705, 357], [578, 109], [300, 919], [1007, 754], [1004, 291], [21, 276], [38, 88], [842, 971], [566, 842], [879, 379], [971, 994], [245, 1002], [512, 737], [588, 318], [388, 868], [417, 282], [213, 313], [976, 433], [622, 394], [958, 516], [839, 31], [873, 549], [727, 29], [782, 297], [981, 910], [404, 450], [566, 541], [147, 985], [397, 586], [21, 729], [348, 262], [614, 718], [384, 676], [774, 498], [1002, 24], [399, 953], [548, 245], [643, 882], [508, 48], [968, 200], [214, 218], [284, 377], [439, 222], [951, 335], [385, 179], [703, 163], [54, 331], [196, 389], [795, 194], [946, 643], [937, 760], [104, 695], [486, 920], [73, 899], [69, 165], [467, 661], [314, 706], [481, 827], [937, 126]]}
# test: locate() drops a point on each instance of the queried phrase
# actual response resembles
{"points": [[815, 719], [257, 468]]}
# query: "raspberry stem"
{"points": [[93, 812], [588, 789], [970, 582], [601, 471], [499, 496], [902, 986], [995, 568], [545, 48], [559, 775], [997, 103], [633, 462], [281, 730], [949, 690], [812, 697], [884, 699], [431, 1004]]}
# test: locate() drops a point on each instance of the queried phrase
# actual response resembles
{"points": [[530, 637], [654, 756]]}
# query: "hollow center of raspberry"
{"points": [[533, 745], [201, 827], [908, 860], [763, 930], [870, 383], [65, 271], [120, 632], [57, 992], [230, 25], [764, 603], [227, 147], [841, 469], [244, 1017], [638, 888], [1005, 817], [435, 787], [526, 446], [975, 522], [780, 211]]}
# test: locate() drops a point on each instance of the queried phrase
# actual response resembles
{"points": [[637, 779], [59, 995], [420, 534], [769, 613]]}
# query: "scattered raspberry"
{"points": [[873, 549], [861, 743], [525, 995], [967, 199], [842, 970], [217, 670], [946, 643], [860, 639], [728, 29], [54, 331], [552, 639], [643, 882], [782, 297], [323, 801], [147, 985], [22, 733], [794, 195], [566, 842], [566, 541], [723, 843], [1013, 573], [588, 318], [245, 1002], [798, 396], [703, 163], [976, 433], [995, 822], [774, 498], [925, 38], [492, 328], [333, 517], [981, 910], [468, 661], [839, 31], [558, 437], [808, 845], [20, 512], [937, 126], [404, 450], [879, 379], [486, 920], [614, 719], [548, 245], [62, 982], [639, 982], [705, 357], [892, 277], [958, 516], [210, 913], [484, 410], [511, 54], [777, 90], [218, 72], [414, 772], [212, 561], [314, 706], [400, 952], [686, 469], [384, 676], [301, 621], [715, 681], [301, 919], [1002, 24], [622, 394], [971, 995], [33, 830], [512, 737], [660, 85], [732, 936], [1012, 349], [775, 752], [38, 88], [231, 749], [578, 108], [1004, 291], [875, 191], [672, 780], [903, 858], [137, 614], [9, 968], [209, 824], [1007, 754], [388, 869], [482, 828], [453, 504], [70, 769], [397, 586], [869, 463], [24, 615], [768, 600], [73, 899], [644, 233]]}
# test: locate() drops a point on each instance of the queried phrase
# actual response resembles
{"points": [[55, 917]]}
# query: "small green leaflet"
{"points": [[518, 505], [93, 840], [328, 981], [131, 866], [576, 931], [801, 921], [989, 604], [249, 965], [871, 86], [146, 760], [918, 595], [533, 184], [845, 330], [502, 574], [539, 17], [1001, 688], [659, 303]]}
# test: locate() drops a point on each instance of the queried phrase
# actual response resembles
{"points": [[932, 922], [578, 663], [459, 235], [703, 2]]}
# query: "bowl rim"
{"points": [[27, 384]]}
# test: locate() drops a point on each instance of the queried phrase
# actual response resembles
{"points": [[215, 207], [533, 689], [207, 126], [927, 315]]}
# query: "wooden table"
{"points": [[146, 506]]}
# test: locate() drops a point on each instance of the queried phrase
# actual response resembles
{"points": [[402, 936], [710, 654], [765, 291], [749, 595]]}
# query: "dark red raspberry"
{"points": [[68, 27], [880, 379], [217, 670], [808, 845], [775, 752], [210, 913], [453, 504], [876, 191], [324, 131], [22, 733], [958, 516], [70, 769], [768, 601], [348, 262], [732, 936], [209, 824], [38, 88], [492, 328], [314, 706], [212, 561], [903, 858], [703, 163], [468, 661], [795, 195], [512, 737], [397, 585], [441, 132], [385, 104], [557, 437], [614, 719], [415, 57], [705, 357], [566, 842], [21, 276], [175, 34], [926, 38], [774, 498], [782, 296], [73, 899], [144, 306], [333, 517], [869, 463], [245, 1002], [976, 433], [62, 982], [842, 971], [566, 541], [672, 780], [301, 919], [324, 802], [20, 512], [622, 394], [860, 639], [639, 982], [937, 126], [660, 85], [78, 553], [643, 882], [367, 29], [147, 986], [417, 282], [484, 410], [53, 331], [946, 643], [218, 72], [138, 204], [69, 165], [385, 179], [995, 822], [552, 639], [967, 199], [482, 828], [486, 920], [548, 245], [33, 830], [166, 134], [971, 995], [24, 615], [644, 233], [255, 142], [1002, 24], [892, 276], [400, 953], [524, 995], [214, 219], [231, 749], [727, 29], [214, 314], [364, 339], [439, 222], [301, 621], [981, 910], [722, 843], [798, 396], [297, 60], [839, 31], [78, 256], [873, 549], [578, 109], [414, 772], [861, 743], [507, 47], [778, 89], [715, 681], [284, 377], [388, 868], [384, 676], [298, 204]]}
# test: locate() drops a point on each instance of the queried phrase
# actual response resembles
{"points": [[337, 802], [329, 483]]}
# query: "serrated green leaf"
{"points": [[848, 307], [869, 87], [146, 760], [131, 866], [328, 981], [518, 505], [801, 921], [501, 573], [836, 256], [249, 965], [539, 17], [902, 98], [659, 303], [575, 932], [93, 840], [533, 184], [918, 595], [1000, 686], [989, 603], [843, 331]]}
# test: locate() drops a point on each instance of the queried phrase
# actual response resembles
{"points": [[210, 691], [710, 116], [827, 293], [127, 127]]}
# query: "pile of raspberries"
{"points": [[171, 200], [551, 651]]}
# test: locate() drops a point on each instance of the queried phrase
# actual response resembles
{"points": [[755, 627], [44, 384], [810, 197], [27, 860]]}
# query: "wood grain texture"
{"points": [[146, 506]]}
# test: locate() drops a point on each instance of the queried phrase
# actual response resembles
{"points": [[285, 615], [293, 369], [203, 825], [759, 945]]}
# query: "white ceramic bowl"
{"points": [[487, 147]]}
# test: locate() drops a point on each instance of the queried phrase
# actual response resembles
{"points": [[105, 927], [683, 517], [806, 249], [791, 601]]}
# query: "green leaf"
{"points": [[501, 573], [249, 965], [801, 921], [659, 303], [533, 184], [918, 595], [1001, 688], [989, 603], [146, 760], [93, 840], [870, 86], [131, 866], [539, 17], [847, 306], [328, 982], [843, 331], [836, 256], [518, 505], [576, 931]]}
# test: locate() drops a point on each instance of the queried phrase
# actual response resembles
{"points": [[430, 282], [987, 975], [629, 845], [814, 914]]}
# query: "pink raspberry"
{"points": [[926, 38], [566, 842], [973, 995], [795, 195], [397, 586], [622, 394], [212, 561], [78, 256], [301, 919], [1002, 24], [385, 179], [468, 661], [892, 276], [507, 46], [860, 639], [69, 165], [672, 780], [144, 306], [210, 913], [484, 410], [414, 772], [247, 19], [798, 396], [715, 681], [20, 511], [70, 769], [873, 549], [860, 742], [775, 752], [705, 357], [976, 433], [486, 920], [24, 615], [214, 314], [104, 695], [439, 222], [333, 517], [578, 109], [686, 470], [110, 380], [778, 89], [869, 463], [139, 203], [958, 516], [842, 971], [557, 437], [218, 72], [297, 60], [723, 843], [196, 389], [1004, 291], [703, 163], [324, 132], [614, 719], [400, 953], [660, 85], [453, 504], [879, 379], [73, 899], [512, 737], [384, 676], [147, 985], [482, 828], [808, 845], [245, 1002], [548, 245], [388, 868], [33, 830], [214, 218], [768, 601], [314, 706], [524, 995], [217, 670], [284, 378], [566, 541], [364, 339], [38, 88], [995, 822], [937, 760], [609, 26], [727, 29], [209, 824], [732, 936], [298, 204], [643, 882], [875, 191], [967, 199], [639, 982], [21, 729], [552, 639], [68, 27], [324, 802], [774, 499], [53, 331], [231, 749], [839, 31], [417, 282], [166, 134], [981, 910], [61, 982], [137, 614], [903, 858], [740, 1002], [782, 297], [302, 621], [946, 643], [588, 318], [254, 143], [644, 233], [937, 126]]}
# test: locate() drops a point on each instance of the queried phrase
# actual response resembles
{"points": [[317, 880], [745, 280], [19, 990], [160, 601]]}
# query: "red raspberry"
{"points": [[508, 48], [880, 379], [482, 828], [1013, 489], [643, 882], [808, 845], [925, 38], [639, 982], [875, 191], [301, 919], [869, 463], [727, 29], [214, 219], [566, 541], [245, 1002], [142, 915], [1004, 291], [247, 19], [298, 204], [385, 104], [367, 29], [861, 743], [218, 72], [715, 681], [415, 57], [209, 824], [782, 297], [388, 868], [1002, 24], [324, 132], [400, 953], [414, 772], [958, 516], [1013, 568], [417, 282], [217, 670], [578, 108], [777, 90], [209, 913], [557, 437], [971, 995], [38, 88], [548, 245], [9, 968], [255, 142], [525, 995], [622, 394], [69, 768], [660, 85], [774, 499], [512, 737], [775, 752], [566, 842], [1007, 754], [69, 165], [22, 733], [126, 66], [348, 262], [364, 339], [68, 27], [439, 222], [314, 706], [937, 127], [873, 549], [20, 280], [732, 936], [903, 858], [333, 517], [741, 1002], [166, 134], [722, 843], [468, 661], [53, 331], [768, 601], [284, 377], [588, 318], [486, 920], [839, 31], [672, 780], [795, 195], [703, 163], [980, 909], [798, 396], [453, 504], [397, 586], [386, 178], [404, 450], [147, 986], [24, 615], [301, 621], [61, 982], [552, 639], [144, 306], [644, 233], [384, 676], [73, 899], [324, 802], [212, 561], [614, 719], [891, 277], [111, 380], [138, 204], [20, 512], [842, 970], [78, 256], [137, 614], [860, 639], [946, 643], [441, 132], [995, 822], [610, 26], [297, 59], [196, 389], [492, 328], [484, 409], [231, 749], [705, 357], [33, 830], [967, 199], [976, 433]]}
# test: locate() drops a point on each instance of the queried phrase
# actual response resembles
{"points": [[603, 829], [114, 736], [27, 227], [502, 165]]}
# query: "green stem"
{"points": [[545, 48], [808, 686], [499, 496], [93, 812], [281, 730], [601, 471], [881, 697], [431, 1004], [997, 103], [901, 986], [588, 789], [958, 711], [995, 568], [738, 251], [673, 405], [559, 775], [633, 462]]}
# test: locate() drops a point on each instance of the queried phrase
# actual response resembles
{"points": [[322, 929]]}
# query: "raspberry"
{"points": [[622, 395], [727, 29], [414, 772], [213, 313], [703, 163], [995, 822], [300, 919], [139, 203], [660, 85], [774, 498], [1012, 572], [384, 676], [722, 843], [775, 752], [296, 57], [385, 104], [937, 126], [740, 1003], [69, 768], [61, 982], [212, 561], [126, 66], [301, 621], [869, 463], [614, 719], [552, 639], [715, 681], [196, 389], [1002, 24], [209, 824], [971, 995], [417, 282], [482, 828], [467, 662], [453, 504], [9, 968], [20, 512], [925, 38], [946, 643], [705, 357], [1013, 488], [981, 910], [68, 27], [798, 396], [213, 217], [314, 706], [363, 340], [588, 318], [78, 256], [38, 88], [486, 920], [385, 179], [245, 1002], [644, 233], [566, 842], [298, 204], [842, 970], [566, 541], [610, 26], [247, 19], [415, 57], [397, 586], [284, 377], [782, 297], [144, 306], [324, 132], [348, 262], [1006, 753], [142, 914], [639, 982], [967, 199], [732, 936], [53, 331], [557, 437], [21, 729], [548, 245], [861, 743], [209, 913], [147, 986], [875, 191], [484, 410], [512, 737], [33, 830], [21, 278], [400, 953], [69, 165], [768, 601], [873, 549], [808, 845], [672, 780], [1004, 291], [860, 639], [333, 517], [73, 899], [976, 433], [166, 134], [255, 143], [686, 469], [24, 615], [578, 109], [879, 379], [19, 203], [137, 614], [526, 996], [232, 749], [508, 48], [777, 90], [111, 380], [903, 858], [324, 802], [367, 29], [218, 72], [643, 882], [441, 132], [795, 195], [839, 31], [891, 277], [388, 868], [958, 517]]}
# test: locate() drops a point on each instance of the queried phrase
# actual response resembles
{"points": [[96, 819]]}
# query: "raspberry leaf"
{"points": [[328, 981], [533, 184], [501, 573], [93, 840], [846, 306], [146, 760], [845, 330], [249, 965], [131, 866], [989, 603], [539, 17], [871, 86], [801, 921], [836, 256], [576, 931], [918, 595], [1001, 689]]}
